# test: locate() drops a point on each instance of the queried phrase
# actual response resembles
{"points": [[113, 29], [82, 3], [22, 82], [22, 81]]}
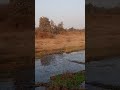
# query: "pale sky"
{"points": [[71, 12]]}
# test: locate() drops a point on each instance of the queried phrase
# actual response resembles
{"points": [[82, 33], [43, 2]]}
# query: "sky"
{"points": [[70, 12]]}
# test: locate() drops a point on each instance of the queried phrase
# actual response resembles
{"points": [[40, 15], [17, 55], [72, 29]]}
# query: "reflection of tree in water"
{"points": [[45, 61]]}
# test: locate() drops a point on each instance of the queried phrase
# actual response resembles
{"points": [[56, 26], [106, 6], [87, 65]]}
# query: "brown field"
{"points": [[64, 42], [104, 36]]}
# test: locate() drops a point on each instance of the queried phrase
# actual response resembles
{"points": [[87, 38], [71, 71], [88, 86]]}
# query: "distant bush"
{"points": [[40, 34], [48, 29], [45, 25]]}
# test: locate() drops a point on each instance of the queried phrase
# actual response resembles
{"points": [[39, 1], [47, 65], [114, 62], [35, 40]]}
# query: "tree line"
{"points": [[46, 25]]}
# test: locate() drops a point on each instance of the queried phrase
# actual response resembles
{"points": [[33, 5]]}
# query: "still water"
{"points": [[57, 64]]}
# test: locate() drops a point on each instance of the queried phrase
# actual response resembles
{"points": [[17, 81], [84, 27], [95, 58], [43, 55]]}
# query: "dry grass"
{"points": [[65, 42]]}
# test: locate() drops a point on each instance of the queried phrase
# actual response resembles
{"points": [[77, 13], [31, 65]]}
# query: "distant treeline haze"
{"points": [[46, 25]]}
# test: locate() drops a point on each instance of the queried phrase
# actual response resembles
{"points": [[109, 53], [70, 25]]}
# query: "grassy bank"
{"points": [[69, 80], [66, 81], [58, 51], [60, 43]]}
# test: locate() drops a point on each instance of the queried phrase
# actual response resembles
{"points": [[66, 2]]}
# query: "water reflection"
{"points": [[57, 64], [45, 61]]}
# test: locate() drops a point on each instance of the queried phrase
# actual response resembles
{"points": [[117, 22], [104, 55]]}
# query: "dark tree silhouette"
{"points": [[44, 24]]}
